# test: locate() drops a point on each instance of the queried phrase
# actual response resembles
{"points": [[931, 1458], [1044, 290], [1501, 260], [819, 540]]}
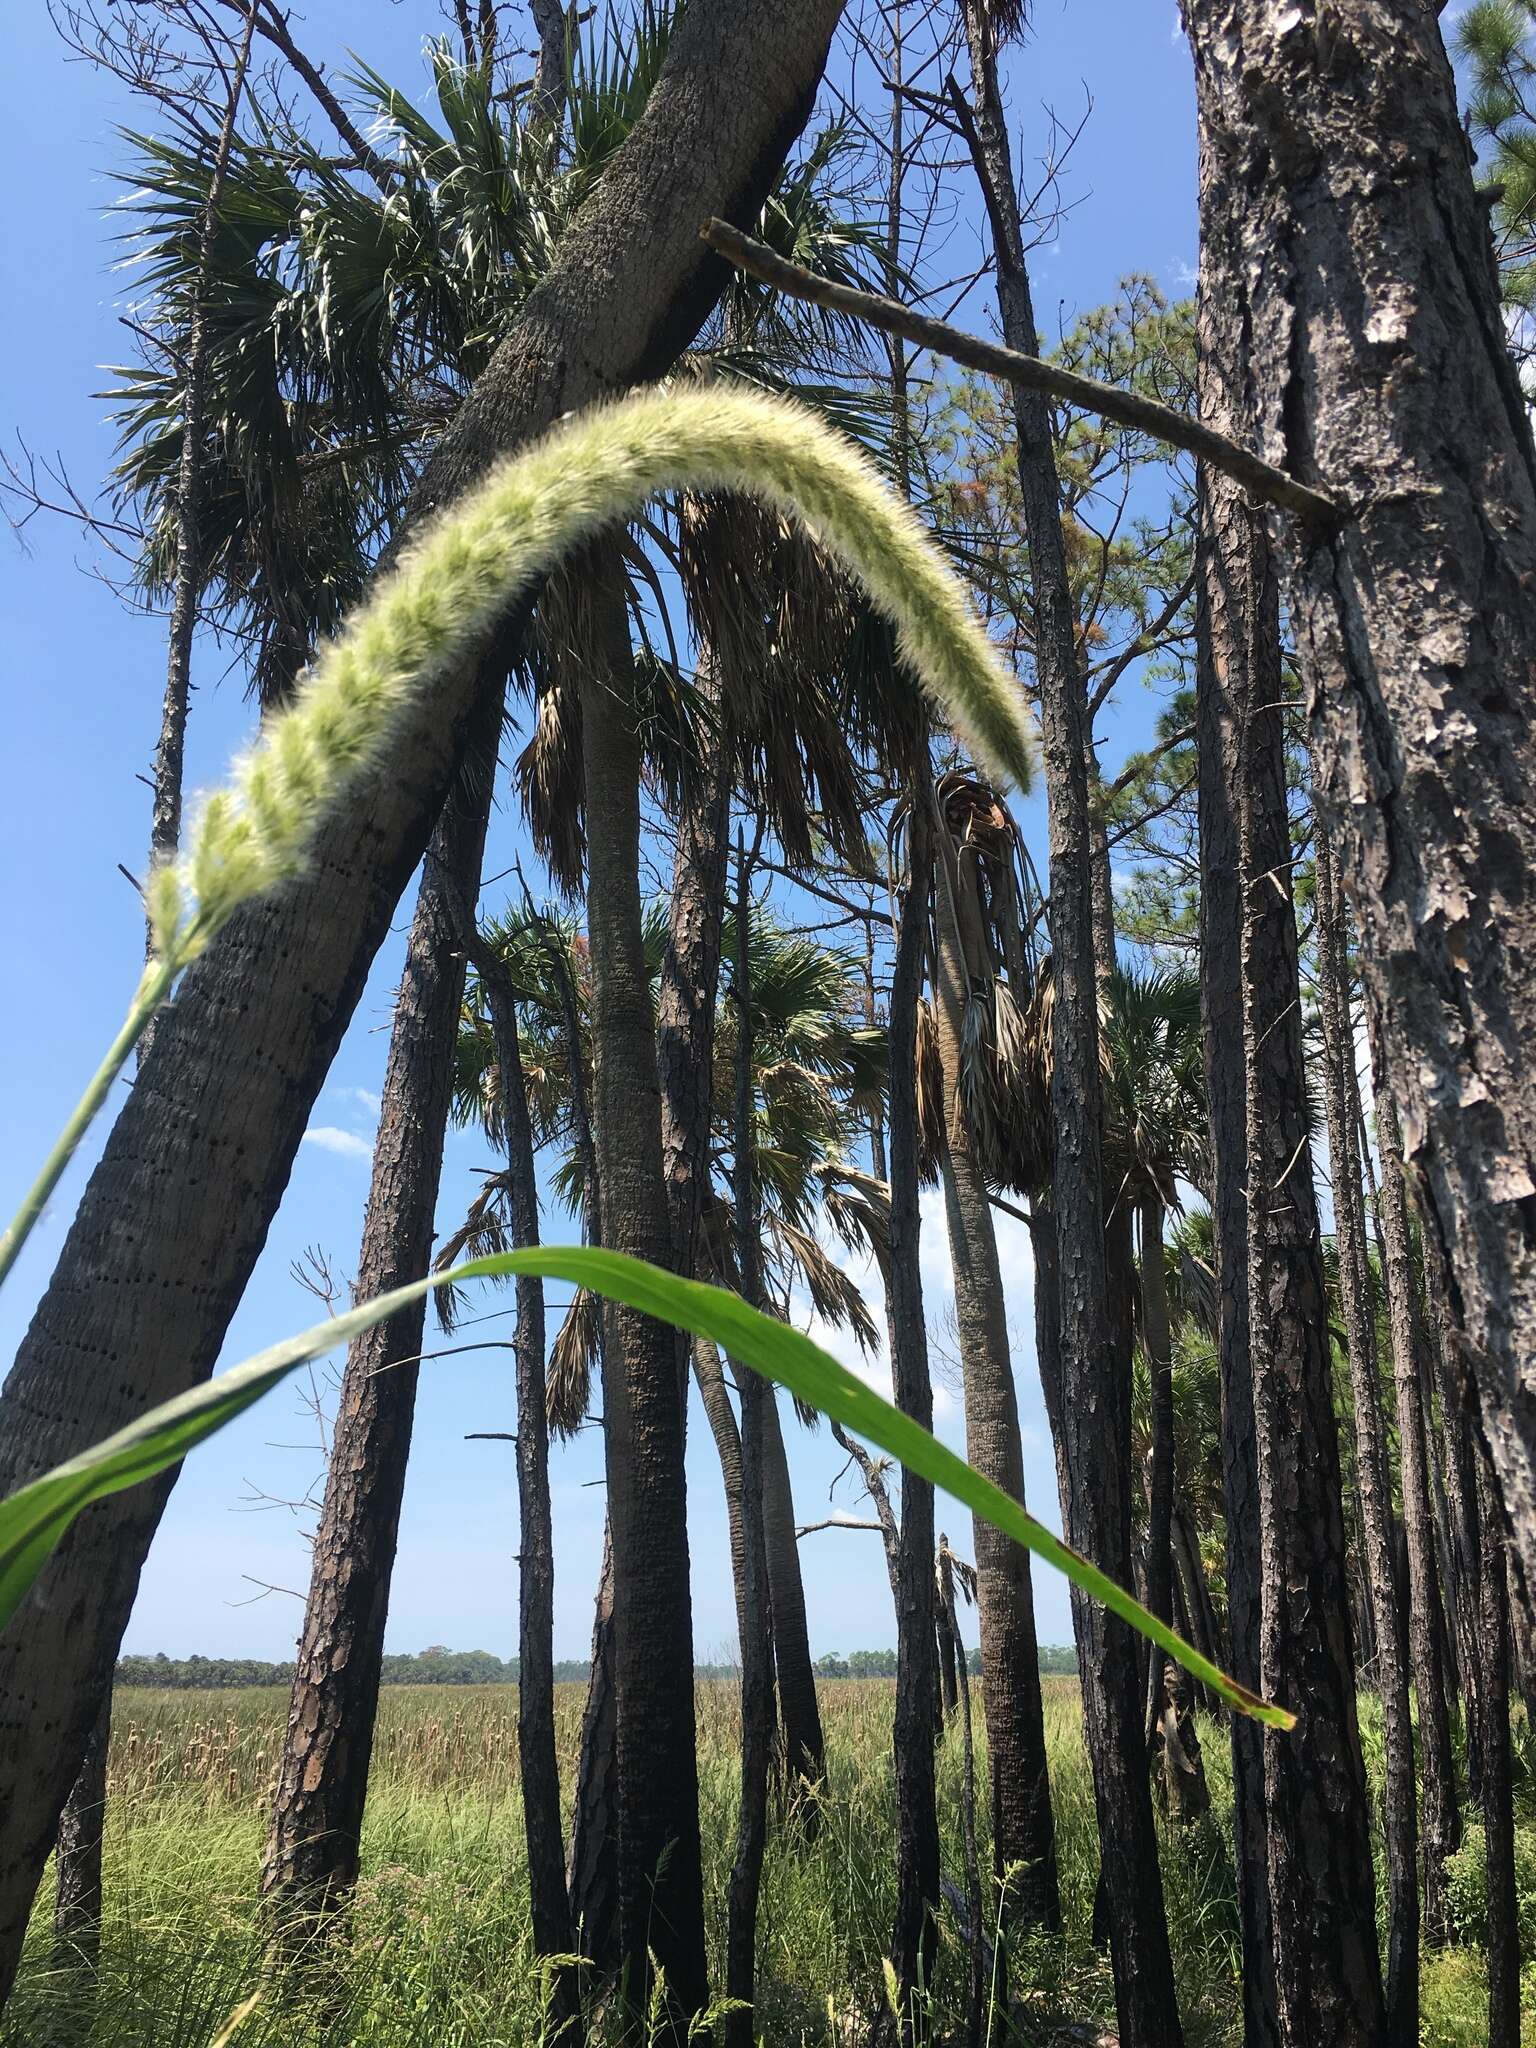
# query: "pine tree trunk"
{"points": [[629, 287], [661, 1904], [1278, 1386], [1400, 1802], [311, 1857], [799, 1709], [1503, 1940], [1437, 1762], [914, 1940], [1094, 1387], [1023, 1828], [1374, 361]]}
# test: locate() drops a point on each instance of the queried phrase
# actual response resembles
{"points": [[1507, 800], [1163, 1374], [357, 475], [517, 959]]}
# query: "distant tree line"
{"points": [[440, 1666]]}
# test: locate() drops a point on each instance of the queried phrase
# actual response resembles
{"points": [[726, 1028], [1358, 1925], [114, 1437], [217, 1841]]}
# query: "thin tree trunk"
{"points": [[1374, 360], [77, 1907], [1236, 615], [799, 1708], [709, 1377], [629, 287], [1098, 1503], [914, 1939], [1321, 1891], [1503, 1939], [1458, 1470], [1400, 1803], [311, 1856], [661, 1903], [538, 1763], [756, 1641], [1023, 1828], [1437, 1763]]}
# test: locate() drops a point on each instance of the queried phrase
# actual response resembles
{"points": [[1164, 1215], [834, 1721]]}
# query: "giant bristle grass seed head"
{"points": [[483, 553]]}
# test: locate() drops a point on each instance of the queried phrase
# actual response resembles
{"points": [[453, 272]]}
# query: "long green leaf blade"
{"points": [[33, 1520]]}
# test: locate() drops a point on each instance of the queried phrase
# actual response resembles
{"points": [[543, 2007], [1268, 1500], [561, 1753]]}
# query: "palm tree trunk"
{"points": [[592, 1875], [721, 1417], [1437, 1763], [311, 1856], [1288, 1588], [799, 1709], [1400, 1805], [661, 1904], [77, 1906], [538, 1764], [630, 285], [1023, 1829], [1098, 1504], [914, 1939], [1375, 357]]}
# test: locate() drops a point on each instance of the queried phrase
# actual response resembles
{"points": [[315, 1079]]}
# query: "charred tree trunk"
{"points": [[709, 1377], [1400, 1803], [914, 1939], [1374, 362], [1023, 1828], [661, 1904], [756, 1642], [1437, 1762], [799, 1709], [592, 1875], [322, 1783], [629, 287], [1503, 1941], [1097, 1508], [538, 1764], [77, 1906]]}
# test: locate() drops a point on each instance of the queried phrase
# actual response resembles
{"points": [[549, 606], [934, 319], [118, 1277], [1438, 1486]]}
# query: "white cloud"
{"points": [[344, 1143]]}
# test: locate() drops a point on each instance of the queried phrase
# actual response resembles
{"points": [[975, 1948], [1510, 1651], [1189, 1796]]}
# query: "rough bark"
{"points": [[311, 1855], [592, 1874], [709, 1377], [538, 1764], [1097, 1507], [77, 1904], [661, 1905], [799, 1708], [1322, 1932], [914, 1939], [153, 1266], [1437, 1763], [1023, 1827], [1400, 1801], [1374, 361]]}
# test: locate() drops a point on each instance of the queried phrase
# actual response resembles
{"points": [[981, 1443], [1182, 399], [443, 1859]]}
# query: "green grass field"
{"points": [[440, 1954]]}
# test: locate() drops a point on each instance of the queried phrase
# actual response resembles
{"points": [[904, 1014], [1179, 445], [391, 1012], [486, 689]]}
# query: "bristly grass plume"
{"points": [[494, 545]]}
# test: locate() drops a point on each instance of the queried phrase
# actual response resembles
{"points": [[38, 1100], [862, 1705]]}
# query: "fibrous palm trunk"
{"points": [[799, 1707], [1289, 1596], [1437, 1763], [661, 1906], [1095, 1390], [311, 1856], [1023, 1831], [1400, 1804], [1374, 361], [628, 288]]}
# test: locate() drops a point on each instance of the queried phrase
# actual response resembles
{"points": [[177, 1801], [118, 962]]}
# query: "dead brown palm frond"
{"points": [[835, 1298], [573, 1358], [858, 1207], [930, 1097], [551, 780], [482, 1234]]}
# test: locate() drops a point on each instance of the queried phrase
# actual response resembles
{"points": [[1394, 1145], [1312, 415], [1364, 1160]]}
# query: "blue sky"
{"points": [[80, 684]]}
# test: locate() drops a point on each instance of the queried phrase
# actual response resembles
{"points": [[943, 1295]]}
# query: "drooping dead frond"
{"points": [[835, 1298], [930, 1097], [551, 781], [482, 1234], [858, 1207], [573, 1358]]}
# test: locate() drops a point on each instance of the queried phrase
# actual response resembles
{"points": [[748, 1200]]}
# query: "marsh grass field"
{"points": [[440, 1953]]}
